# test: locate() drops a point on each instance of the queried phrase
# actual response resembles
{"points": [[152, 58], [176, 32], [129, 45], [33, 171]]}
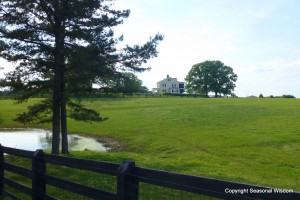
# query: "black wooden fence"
{"points": [[128, 176]]}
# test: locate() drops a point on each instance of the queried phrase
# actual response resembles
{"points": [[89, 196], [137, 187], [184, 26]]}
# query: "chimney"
{"points": [[167, 75]]}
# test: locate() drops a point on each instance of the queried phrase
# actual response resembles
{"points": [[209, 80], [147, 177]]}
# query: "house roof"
{"points": [[165, 79]]}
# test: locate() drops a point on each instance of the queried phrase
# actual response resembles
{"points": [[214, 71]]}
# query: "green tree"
{"points": [[128, 83], [57, 43], [198, 79], [144, 89], [211, 76]]}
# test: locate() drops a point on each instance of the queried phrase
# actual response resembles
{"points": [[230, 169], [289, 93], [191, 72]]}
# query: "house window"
{"points": [[169, 79], [163, 90], [173, 85], [164, 85]]}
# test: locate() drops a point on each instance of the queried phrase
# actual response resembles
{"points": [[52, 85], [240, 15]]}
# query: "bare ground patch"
{"points": [[110, 143]]}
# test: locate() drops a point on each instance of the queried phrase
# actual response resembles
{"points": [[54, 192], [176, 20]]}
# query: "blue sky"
{"points": [[259, 39]]}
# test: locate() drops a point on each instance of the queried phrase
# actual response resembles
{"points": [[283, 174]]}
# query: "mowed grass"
{"points": [[253, 141]]}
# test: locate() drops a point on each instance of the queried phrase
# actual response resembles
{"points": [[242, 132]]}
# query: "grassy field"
{"points": [[254, 141]]}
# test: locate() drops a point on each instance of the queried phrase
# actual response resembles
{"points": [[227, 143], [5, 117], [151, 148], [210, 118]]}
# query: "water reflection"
{"points": [[32, 139]]}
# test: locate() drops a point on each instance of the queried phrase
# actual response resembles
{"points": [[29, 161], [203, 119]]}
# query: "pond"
{"points": [[33, 139]]}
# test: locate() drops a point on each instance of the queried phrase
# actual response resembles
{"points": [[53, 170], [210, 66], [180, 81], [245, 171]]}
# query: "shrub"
{"points": [[288, 96]]}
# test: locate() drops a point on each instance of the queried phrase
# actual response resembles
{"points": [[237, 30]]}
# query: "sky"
{"points": [[259, 39]]}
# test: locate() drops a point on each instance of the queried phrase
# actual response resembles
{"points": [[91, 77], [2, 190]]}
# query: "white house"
{"points": [[169, 85]]}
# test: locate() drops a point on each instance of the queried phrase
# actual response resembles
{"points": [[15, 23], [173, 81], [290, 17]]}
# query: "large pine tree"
{"points": [[56, 44]]}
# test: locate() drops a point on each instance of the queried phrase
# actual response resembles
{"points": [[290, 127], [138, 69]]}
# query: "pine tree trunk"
{"points": [[58, 74], [56, 105], [64, 133]]}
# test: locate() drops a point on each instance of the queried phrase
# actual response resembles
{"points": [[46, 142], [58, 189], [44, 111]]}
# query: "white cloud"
{"points": [[271, 77]]}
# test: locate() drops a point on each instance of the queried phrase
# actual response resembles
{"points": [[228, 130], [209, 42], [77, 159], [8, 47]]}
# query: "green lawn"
{"points": [[253, 141]]}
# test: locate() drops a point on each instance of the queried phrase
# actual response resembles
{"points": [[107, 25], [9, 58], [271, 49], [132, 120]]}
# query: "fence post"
{"points": [[38, 175], [1, 170], [127, 184]]}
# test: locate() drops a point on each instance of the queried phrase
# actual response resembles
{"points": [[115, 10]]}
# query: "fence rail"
{"points": [[128, 180]]}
